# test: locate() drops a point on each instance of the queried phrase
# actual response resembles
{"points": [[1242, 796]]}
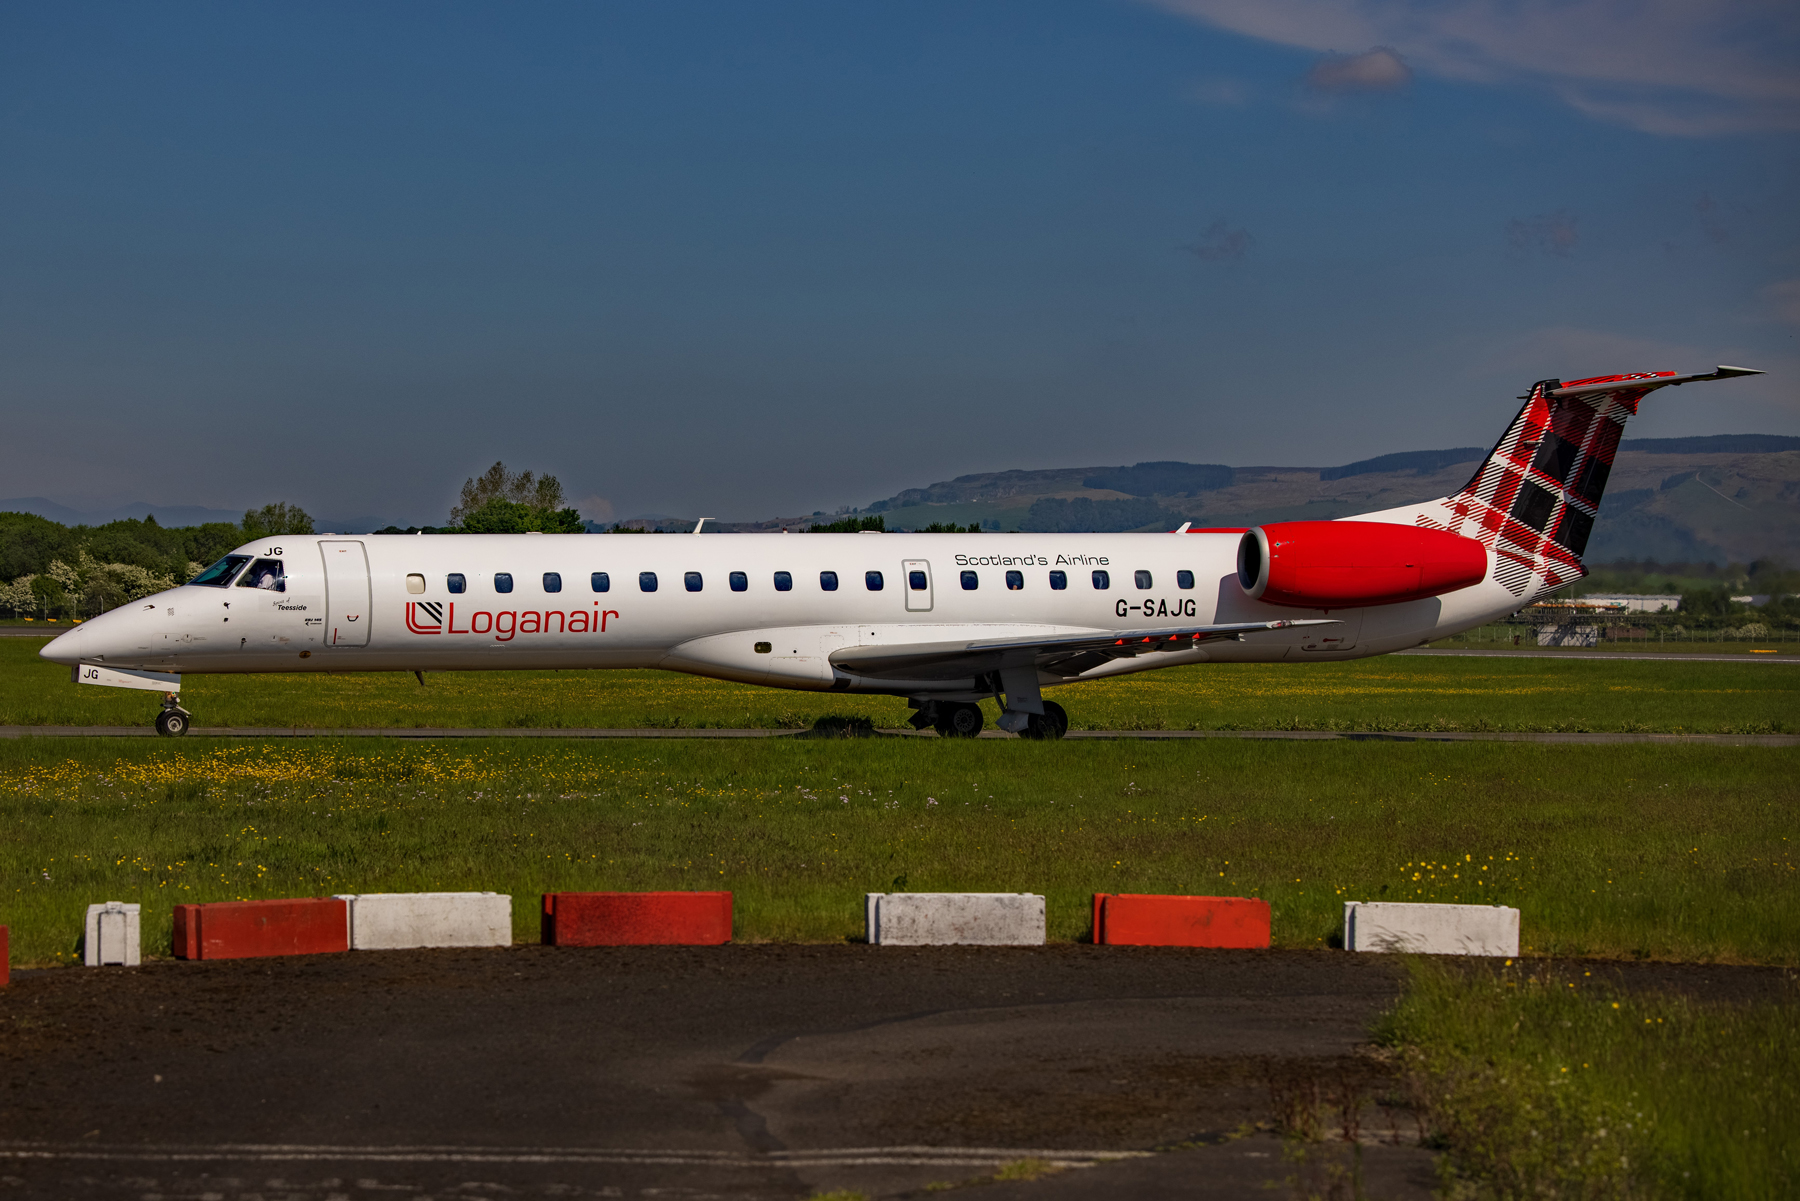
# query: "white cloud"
{"points": [[594, 508], [1675, 67], [1377, 70]]}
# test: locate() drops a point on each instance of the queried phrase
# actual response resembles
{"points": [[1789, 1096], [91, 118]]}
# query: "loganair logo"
{"points": [[433, 617], [425, 617]]}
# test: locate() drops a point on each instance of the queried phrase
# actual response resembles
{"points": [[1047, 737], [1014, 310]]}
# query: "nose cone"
{"points": [[108, 636], [67, 647]]}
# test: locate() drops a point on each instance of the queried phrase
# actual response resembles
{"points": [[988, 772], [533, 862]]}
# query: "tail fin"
{"points": [[1535, 498]]}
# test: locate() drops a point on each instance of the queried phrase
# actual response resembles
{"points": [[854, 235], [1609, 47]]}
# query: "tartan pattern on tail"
{"points": [[1534, 500]]}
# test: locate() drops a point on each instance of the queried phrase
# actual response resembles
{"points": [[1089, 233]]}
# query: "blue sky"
{"points": [[744, 260]]}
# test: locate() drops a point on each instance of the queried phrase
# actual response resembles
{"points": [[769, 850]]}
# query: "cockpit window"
{"points": [[220, 573], [265, 574]]}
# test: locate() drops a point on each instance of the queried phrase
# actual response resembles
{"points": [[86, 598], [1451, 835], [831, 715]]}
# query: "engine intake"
{"points": [[1346, 564]]}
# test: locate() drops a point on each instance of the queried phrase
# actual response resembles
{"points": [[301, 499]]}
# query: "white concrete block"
{"points": [[114, 935], [393, 921], [922, 919], [1431, 929]]}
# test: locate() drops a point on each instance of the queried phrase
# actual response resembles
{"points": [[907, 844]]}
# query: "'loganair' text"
{"points": [[507, 624]]}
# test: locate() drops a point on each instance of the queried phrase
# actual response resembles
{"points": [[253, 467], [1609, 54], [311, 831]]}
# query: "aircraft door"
{"points": [[915, 575], [347, 615]]}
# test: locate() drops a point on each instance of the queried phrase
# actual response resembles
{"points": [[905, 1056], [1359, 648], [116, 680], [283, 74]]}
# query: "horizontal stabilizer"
{"points": [[1619, 383]]}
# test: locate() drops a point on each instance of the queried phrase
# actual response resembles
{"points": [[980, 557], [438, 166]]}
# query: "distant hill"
{"points": [[168, 516], [1406, 460], [1713, 444], [1721, 498]]}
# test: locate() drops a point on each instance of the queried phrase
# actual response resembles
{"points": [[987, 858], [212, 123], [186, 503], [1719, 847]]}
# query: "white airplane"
{"points": [[945, 620]]}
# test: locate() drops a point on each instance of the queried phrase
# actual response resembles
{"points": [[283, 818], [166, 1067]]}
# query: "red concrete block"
{"points": [[252, 929], [1135, 920], [618, 919]]}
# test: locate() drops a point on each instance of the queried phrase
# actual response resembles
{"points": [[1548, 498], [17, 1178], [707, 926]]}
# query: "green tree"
{"points": [[278, 518], [851, 525], [1708, 606], [507, 502], [28, 543], [501, 516], [520, 488]]}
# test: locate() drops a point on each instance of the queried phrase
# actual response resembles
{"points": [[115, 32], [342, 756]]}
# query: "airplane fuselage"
{"points": [[762, 609]]}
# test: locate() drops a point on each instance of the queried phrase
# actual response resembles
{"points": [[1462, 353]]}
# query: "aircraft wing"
{"points": [[1066, 655]]}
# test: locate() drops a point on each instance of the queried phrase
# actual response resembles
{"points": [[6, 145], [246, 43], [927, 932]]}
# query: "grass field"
{"points": [[1633, 850], [1390, 693], [1537, 1083]]}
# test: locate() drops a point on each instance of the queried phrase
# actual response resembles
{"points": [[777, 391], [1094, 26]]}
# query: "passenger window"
{"points": [[553, 581], [220, 573], [1015, 581], [1184, 579], [784, 582], [873, 580], [1102, 581], [915, 580], [1141, 578], [266, 574], [456, 583], [503, 581], [601, 581], [646, 581], [1059, 580], [415, 584], [828, 581], [763, 648], [740, 582], [970, 581], [693, 581]]}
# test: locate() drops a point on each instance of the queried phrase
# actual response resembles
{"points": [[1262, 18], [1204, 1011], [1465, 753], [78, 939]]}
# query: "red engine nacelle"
{"points": [[1344, 564]]}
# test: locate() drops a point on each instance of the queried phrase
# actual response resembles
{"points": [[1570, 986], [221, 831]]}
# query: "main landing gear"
{"points": [[960, 719], [1053, 723], [173, 721]]}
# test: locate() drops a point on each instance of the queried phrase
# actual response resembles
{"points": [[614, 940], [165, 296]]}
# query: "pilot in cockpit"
{"points": [[265, 574]]}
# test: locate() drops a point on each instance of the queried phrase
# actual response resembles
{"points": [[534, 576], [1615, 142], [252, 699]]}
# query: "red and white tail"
{"points": [[1535, 498]]}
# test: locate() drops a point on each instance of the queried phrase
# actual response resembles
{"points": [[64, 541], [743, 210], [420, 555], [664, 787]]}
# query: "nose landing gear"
{"points": [[173, 721]]}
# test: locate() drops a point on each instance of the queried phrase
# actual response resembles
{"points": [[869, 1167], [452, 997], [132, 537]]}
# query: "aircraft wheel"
{"points": [[959, 721], [171, 723], [1053, 724]]}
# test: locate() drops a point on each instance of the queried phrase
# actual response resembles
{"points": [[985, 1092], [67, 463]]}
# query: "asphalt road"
{"points": [[738, 1071], [755, 1071]]}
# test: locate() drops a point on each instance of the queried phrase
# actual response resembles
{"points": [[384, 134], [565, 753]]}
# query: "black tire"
{"points": [[959, 721], [1051, 726], [171, 724]]}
